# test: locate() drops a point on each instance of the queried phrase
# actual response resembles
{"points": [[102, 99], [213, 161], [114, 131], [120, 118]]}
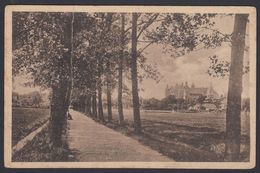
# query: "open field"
{"points": [[25, 120], [184, 136], [200, 119]]}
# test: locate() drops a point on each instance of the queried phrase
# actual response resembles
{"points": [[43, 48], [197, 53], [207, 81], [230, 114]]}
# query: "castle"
{"points": [[190, 92]]}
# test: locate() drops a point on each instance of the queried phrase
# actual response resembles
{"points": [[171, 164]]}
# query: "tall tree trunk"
{"points": [[69, 43], [136, 106], [109, 98], [233, 119], [100, 103], [58, 114], [88, 105], [120, 72], [94, 104], [109, 18], [61, 93]]}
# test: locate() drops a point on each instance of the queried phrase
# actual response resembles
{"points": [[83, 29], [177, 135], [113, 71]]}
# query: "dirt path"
{"points": [[91, 141]]}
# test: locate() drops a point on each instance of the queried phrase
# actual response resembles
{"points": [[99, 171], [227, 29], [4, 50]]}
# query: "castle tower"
{"points": [[184, 94], [186, 84], [166, 90], [192, 85]]}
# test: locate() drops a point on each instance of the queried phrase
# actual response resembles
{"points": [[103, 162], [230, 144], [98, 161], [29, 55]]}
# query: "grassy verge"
{"points": [[26, 120], [40, 149]]}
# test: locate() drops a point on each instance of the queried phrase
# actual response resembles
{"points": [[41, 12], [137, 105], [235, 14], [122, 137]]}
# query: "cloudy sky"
{"points": [[191, 68]]}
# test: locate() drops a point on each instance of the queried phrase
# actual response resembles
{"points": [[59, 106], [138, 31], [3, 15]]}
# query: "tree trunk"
{"points": [[58, 114], [233, 119], [61, 93], [120, 73], [109, 99], [109, 105], [100, 104], [94, 104], [69, 44], [88, 105], [136, 106]]}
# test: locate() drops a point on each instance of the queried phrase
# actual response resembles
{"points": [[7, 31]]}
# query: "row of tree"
{"points": [[179, 104], [82, 54], [33, 99]]}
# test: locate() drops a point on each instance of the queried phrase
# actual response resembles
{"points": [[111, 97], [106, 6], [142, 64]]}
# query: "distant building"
{"points": [[190, 92], [209, 106]]}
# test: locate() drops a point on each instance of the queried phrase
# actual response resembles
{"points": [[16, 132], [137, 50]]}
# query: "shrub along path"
{"points": [[91, 141]]}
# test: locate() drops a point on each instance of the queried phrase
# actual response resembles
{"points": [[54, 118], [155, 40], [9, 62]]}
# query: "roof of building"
{"points": [[179, 90]]}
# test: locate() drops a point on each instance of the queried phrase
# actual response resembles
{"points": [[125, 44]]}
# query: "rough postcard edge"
{"points": [[159, 9]]}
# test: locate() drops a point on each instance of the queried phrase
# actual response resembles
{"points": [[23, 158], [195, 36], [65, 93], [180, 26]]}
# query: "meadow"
{"points": [[26, 120], [185, 136], [199, 119]]}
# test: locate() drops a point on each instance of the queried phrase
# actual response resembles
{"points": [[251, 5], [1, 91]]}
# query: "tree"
{"points": [[36, 98], [97, 52], [168, 102], [45, 52], [108, 73], [62, 91], [109, 90], [109, 38], [201, 99], [141, 26], [86, 71], [246, 104], [120, 71], [233, 115], [136, 106]]}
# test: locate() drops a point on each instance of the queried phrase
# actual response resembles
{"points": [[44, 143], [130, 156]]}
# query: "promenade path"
{"points": [[91, 141]]}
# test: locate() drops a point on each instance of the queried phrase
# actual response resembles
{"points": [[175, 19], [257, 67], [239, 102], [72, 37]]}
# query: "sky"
{"points": [[191, 67]]}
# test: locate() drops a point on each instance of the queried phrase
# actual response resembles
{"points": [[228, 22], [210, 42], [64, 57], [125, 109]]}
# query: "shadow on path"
{"points": [[93, 142]]}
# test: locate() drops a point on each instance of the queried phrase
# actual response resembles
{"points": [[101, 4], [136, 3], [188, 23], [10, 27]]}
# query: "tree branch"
{"points": [[140, 51], [145, 41], [215, 30], [147, 24], [138, 15], [139, 24]]}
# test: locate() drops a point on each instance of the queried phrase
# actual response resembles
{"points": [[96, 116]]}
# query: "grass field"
{"points": [[185, 136], [25, 120], [200, 119]]}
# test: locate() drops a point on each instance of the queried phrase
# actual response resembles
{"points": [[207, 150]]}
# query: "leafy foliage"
{"points": [[41, 49], [187, 32], [218, 68], [221, 68]]}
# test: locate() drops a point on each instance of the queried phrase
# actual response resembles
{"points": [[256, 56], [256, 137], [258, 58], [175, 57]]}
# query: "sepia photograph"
{"points": [[130, 87]]}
